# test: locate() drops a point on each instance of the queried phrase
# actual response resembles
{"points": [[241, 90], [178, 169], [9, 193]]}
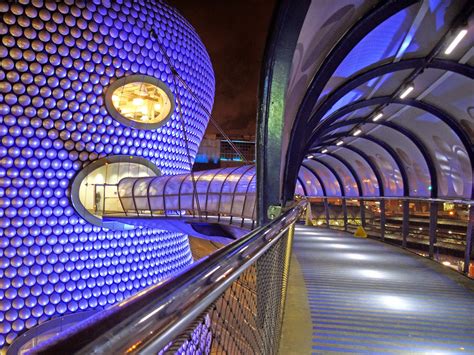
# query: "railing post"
{"points": [[362, 213], [326, 211], [382, 219], [344, 211], [469, 240], [433, 225], [405, 222]]}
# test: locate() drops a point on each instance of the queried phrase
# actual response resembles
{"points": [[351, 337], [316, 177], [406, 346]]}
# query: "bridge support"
{"points": [[284, 32], [382, 219], [344, 211], [433, 225], [468, 253], [405, 222]]}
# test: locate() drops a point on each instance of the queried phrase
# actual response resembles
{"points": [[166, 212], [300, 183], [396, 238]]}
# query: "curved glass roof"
{"points": [[396, 116]]}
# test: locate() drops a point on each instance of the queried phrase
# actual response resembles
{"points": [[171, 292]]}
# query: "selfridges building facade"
{"points": [[90, 84]]}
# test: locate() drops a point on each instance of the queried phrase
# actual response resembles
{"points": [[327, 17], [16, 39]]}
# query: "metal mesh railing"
{"points": [[246, 318], [230, 303], [441, 229]]}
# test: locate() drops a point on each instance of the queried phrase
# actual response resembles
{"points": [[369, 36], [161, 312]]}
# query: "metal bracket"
{"points": [[274, 211]]}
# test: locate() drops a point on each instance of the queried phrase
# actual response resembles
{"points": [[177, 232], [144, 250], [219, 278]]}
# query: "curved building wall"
{"points": [[57, 61]]}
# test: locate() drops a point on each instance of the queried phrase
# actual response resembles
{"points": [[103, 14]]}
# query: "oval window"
{"points": [[140, 101], [94, 190]]}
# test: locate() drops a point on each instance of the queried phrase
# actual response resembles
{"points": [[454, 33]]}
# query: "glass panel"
{"points": [[413, 161], [451, 96], [451, 232], [299, 189], [382, 43], [98, 190], [312, 185], [370, 186], [336, 213], [418, 238], [353, 214], [318, 214], [350, 185], [142, 102], [372, 217], [393, 219], [454, 169], [328, 178], [388, 168]]}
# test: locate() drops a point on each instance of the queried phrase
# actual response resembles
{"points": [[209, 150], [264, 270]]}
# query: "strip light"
{"points": [[356, 133], [309, 157], [324, 151], [407, 91], [377, 117], [461, 34], [340, 143]]}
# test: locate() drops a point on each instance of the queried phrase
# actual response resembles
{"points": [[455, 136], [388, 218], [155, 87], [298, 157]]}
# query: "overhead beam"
{"points": [[402, 130], [297, 146]]}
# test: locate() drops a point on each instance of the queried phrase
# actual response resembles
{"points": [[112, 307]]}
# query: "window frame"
{"points": [[137, 78]]}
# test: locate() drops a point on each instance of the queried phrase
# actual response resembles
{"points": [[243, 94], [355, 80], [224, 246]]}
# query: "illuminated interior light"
{"points": [[340, 143], [407, 91], [324, 151], [461, 34], [141, 99], [310, 157], [356, 133], [137, 101], [377, 117]]}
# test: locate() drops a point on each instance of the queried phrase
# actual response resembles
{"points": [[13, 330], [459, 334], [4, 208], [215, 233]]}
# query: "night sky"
{"points": [[234, 33]]}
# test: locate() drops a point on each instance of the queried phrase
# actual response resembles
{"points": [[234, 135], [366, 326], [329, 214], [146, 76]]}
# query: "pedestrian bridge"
{"points": [[362, 296], [365, 121], [344, 294]]}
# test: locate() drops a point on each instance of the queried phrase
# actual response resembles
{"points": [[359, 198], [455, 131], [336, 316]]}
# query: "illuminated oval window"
{"points": [[94, 190], [140, 101]]}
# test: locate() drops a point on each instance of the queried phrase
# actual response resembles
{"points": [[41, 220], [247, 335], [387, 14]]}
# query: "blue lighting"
{"points": [[57, 62]]}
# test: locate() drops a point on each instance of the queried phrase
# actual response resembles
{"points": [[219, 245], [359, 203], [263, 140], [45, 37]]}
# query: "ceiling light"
{"points": [[407, 91], [340, 143], [377, 117], [324, 151], [309, 157], [461, 34], [356, 133]]}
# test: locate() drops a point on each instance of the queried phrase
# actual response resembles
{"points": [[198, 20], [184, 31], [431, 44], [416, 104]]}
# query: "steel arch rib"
{"points": [[302, 186], [435, 111], [323, 187], [352, 37], [333, 171], [360, 79], [392, 153], [376, 171], [349, 167], [396, 158], [409, 135]]}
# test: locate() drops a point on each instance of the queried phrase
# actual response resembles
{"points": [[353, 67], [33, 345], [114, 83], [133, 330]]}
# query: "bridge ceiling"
{"points": [[359, 128]]}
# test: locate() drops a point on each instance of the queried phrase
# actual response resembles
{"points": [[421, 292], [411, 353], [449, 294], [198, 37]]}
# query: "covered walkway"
{"points": [[369, 297]]}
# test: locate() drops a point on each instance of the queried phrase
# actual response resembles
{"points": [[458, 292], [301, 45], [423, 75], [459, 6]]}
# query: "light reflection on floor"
{"points": [[368, 297]]}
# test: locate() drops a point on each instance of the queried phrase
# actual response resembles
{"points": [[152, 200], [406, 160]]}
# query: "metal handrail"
{"points": [[149, 320], [408, 198]]}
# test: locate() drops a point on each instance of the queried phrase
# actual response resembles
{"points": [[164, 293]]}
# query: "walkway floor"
{"points": [[367, 297]]}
